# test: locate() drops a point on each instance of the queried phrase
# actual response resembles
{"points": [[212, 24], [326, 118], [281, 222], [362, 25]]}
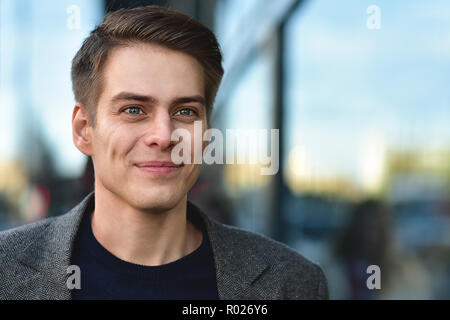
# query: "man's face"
{"points": [[148, 92]]}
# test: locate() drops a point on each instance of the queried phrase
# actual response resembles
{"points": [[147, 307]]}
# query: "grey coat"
{"points": [[34, 259]]}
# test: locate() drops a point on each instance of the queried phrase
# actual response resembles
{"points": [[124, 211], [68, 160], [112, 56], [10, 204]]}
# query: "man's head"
{"points": [[141, 74]]}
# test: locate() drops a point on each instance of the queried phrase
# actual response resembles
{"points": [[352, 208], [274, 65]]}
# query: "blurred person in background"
{"points": [[367, 239], [140, 74]]}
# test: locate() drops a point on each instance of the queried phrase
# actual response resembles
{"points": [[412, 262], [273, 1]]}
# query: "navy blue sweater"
{"points": [[104, 276]]}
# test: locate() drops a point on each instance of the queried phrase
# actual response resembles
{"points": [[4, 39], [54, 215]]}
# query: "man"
{"points": [[140, 75]]}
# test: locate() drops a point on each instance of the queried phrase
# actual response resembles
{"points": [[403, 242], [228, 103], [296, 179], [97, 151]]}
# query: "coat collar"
{"points": [[49, 254]]}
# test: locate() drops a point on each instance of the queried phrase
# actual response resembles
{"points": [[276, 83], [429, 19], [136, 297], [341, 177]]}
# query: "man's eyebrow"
{"points": [[134, 96], [195, 98]]}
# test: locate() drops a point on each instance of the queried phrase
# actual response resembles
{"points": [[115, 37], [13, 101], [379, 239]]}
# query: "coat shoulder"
{"points": [[301, 277], [63, 226], [14, 239]]}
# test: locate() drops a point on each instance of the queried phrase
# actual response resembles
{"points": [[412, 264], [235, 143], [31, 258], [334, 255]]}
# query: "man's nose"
{"points": [[159, 131]]}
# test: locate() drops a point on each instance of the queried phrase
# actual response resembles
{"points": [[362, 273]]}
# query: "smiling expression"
{"points": [[148, 91]]}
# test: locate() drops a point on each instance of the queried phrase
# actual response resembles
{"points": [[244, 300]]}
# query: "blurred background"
{"points": [[359, 90]]}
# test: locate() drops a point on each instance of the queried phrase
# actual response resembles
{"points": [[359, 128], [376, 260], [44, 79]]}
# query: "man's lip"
{"points": [[158, 164]]}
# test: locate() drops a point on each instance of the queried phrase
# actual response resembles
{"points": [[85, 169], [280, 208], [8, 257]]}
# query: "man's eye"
{"points": [[132, 110], [186, 112]]}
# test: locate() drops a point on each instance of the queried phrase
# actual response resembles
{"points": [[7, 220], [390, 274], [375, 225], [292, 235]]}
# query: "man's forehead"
{"points": [[144, 58], [156, 73]]}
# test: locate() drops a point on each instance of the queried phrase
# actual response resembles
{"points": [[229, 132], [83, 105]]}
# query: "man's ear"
{"points": [[81, 129]]}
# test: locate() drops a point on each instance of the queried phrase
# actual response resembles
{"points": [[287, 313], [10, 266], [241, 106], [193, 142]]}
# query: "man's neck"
{"points": [[140, 237]]}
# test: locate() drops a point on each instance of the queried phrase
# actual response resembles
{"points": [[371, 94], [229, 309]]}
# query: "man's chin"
{"points": [[157, 203]]}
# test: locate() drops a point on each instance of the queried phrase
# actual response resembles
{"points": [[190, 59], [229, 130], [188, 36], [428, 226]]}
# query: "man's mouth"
{"points": [[158, 167]]}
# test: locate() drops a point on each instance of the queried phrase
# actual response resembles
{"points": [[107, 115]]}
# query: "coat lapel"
{"points": [[237, 266]]}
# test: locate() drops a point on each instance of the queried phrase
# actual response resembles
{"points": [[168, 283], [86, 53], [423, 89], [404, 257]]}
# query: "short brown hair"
{"points": [[149, 24]]}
